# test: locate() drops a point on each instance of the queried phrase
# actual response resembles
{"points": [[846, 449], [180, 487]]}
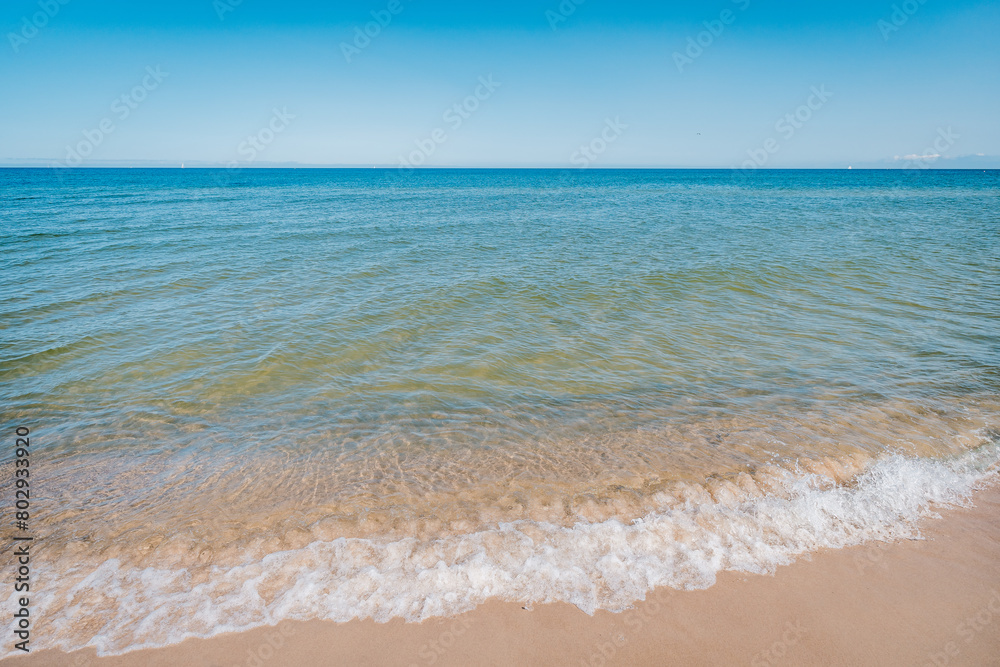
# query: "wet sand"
{"points": [[918, 602]]}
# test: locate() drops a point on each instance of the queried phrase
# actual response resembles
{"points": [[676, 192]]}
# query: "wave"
{"points": [[602, 565]]}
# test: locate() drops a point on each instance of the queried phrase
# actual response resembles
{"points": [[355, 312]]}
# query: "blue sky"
{"points": [[599, 83]]}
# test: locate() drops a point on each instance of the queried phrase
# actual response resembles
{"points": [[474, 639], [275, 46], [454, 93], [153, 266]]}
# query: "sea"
{"points": [[259, 395]]}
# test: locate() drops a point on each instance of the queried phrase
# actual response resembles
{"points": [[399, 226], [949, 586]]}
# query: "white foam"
{"points": [[608, 565]]}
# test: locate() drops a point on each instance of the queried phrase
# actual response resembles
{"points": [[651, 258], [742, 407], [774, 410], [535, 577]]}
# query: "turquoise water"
{"points": [[222, 370]]}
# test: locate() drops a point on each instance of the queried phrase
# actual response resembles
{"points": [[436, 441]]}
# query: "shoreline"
{"points": [[933, 602]]}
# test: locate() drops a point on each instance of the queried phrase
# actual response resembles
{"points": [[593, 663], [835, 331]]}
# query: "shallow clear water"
{"points": [[226, 374]]}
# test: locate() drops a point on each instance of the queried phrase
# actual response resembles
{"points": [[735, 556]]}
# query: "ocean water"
{"points": [[298, 394]]}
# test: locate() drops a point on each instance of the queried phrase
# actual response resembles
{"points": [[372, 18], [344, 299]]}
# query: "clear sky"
{"points": [[685, 84]]}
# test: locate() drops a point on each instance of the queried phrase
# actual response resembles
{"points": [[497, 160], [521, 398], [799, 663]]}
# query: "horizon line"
{"points": [[318, 167]]}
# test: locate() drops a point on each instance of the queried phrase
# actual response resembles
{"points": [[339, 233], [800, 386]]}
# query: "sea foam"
{"points": [[607, 565]]}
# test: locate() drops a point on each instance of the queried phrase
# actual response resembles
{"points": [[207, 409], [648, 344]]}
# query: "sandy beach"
{"points": [[558, 334], [931, 602]]}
